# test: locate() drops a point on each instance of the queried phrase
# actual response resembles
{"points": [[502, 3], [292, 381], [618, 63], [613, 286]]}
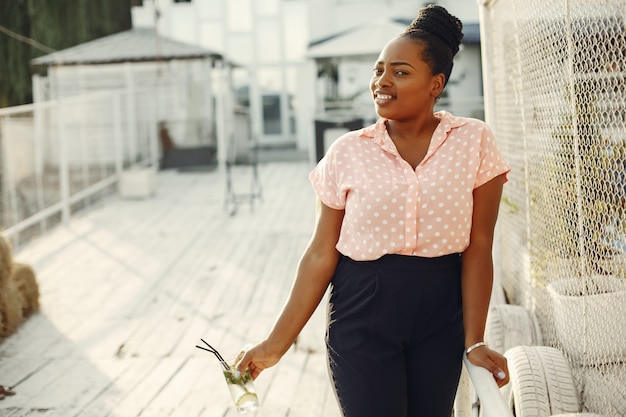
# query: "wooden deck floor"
{"points": [[129, 288]]}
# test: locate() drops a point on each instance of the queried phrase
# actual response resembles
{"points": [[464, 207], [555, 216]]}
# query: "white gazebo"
{"points": [[161, 82]]}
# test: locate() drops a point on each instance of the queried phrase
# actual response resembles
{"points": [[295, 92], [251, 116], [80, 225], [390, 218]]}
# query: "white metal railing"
{"points": [[59, 156], [492, 402]]}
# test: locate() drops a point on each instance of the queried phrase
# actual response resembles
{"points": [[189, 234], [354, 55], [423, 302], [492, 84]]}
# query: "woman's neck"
{"points": [[414, 130], [412, 139]]}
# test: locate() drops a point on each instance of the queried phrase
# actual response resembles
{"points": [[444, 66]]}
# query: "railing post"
{"points": [[9, 172], [154, 142], [64, 170], [117, 133], [130, 93], [40, 121]]}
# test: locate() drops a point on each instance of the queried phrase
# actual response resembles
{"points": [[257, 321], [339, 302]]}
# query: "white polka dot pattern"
{"points": [[391, 208]]}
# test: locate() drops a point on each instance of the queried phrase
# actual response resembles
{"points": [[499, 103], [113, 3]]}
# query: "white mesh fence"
{"points": [[556, 97], [57, 157]]}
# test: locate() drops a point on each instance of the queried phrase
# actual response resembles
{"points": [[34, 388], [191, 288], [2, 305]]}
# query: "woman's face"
{"points": [[403, 86]]}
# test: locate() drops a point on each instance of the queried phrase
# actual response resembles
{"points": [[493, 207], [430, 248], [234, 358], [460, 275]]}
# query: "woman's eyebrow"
{"points": [[396, 63]]}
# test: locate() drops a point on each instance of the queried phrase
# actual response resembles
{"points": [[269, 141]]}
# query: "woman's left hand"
{"points": [[493, 361]]}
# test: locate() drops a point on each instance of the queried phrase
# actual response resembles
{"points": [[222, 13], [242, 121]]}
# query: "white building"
{"points": [[275, 43]]}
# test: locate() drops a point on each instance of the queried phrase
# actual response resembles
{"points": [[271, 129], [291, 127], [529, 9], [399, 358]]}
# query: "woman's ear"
{"points": [[437, 85]]}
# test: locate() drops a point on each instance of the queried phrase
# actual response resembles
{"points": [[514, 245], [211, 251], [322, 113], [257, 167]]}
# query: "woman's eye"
{"points": [[400, 72], [378, 71]]}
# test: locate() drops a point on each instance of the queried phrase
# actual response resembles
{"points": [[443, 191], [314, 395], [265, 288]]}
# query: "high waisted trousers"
{"points": [[395, 336]]}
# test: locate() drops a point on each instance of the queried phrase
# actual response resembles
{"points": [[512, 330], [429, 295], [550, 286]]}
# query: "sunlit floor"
{"points": [[129, 288]]}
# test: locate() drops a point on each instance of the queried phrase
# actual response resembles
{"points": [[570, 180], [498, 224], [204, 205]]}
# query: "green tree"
{"points": [[55, 24]]}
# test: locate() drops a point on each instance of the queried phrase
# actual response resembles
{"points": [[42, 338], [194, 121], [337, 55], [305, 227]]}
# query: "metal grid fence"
{"points": [[58, 157], [555, 94]]}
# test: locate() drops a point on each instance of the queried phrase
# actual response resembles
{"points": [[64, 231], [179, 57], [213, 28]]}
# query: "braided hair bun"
{"points": [[440, 34], [437, 21]]}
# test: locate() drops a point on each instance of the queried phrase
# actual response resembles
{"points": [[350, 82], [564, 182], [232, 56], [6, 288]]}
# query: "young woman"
{"points": [[404, 233]]}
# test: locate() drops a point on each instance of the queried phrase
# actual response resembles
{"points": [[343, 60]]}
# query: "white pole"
{"points": [[117, 134], [64, 175]]}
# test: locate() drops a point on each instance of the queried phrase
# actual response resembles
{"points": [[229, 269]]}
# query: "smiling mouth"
{"points": [[383, 99]]}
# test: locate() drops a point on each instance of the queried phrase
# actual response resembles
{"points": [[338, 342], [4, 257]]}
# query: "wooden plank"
{"points": [[203, 388], [15, 372], [107, 402], [38, 337], [196, 373], [206, 392], [63, 384], [38, 412], [142, 394], [311, 392], [281, 383]]}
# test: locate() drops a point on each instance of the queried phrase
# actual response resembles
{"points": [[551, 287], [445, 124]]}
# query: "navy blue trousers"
{"points": [[395, 336]]}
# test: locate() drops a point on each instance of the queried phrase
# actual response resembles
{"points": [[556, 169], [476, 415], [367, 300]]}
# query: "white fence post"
{"points": [[64, 174], [132, 142], [39, 131], [9, 178], [154, 141], [117, 133]]}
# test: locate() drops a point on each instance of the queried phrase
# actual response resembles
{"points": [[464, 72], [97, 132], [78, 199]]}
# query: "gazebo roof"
{"points": [[135, 45]]}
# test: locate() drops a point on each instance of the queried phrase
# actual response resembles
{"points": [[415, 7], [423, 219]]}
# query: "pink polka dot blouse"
{"points": [[391, 208]]}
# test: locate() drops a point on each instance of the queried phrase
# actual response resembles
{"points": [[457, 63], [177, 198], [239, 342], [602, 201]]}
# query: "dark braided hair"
{"points": [[440, 33]]}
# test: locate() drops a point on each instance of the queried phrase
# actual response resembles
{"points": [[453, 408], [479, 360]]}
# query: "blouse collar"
{"points": [[378, 132]]}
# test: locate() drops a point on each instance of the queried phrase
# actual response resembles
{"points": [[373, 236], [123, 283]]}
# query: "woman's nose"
{"points": [[382, 80]]}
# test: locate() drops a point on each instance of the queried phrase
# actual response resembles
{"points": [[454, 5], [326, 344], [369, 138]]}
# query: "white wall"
{"points": [[331, 16]]}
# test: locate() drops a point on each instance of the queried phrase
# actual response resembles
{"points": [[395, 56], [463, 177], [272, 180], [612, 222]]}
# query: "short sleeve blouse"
{"points": [[391, 208]]}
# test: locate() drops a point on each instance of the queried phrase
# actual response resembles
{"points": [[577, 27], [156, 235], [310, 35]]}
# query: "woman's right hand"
{"points": [[257, 358], [493, 361]]}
